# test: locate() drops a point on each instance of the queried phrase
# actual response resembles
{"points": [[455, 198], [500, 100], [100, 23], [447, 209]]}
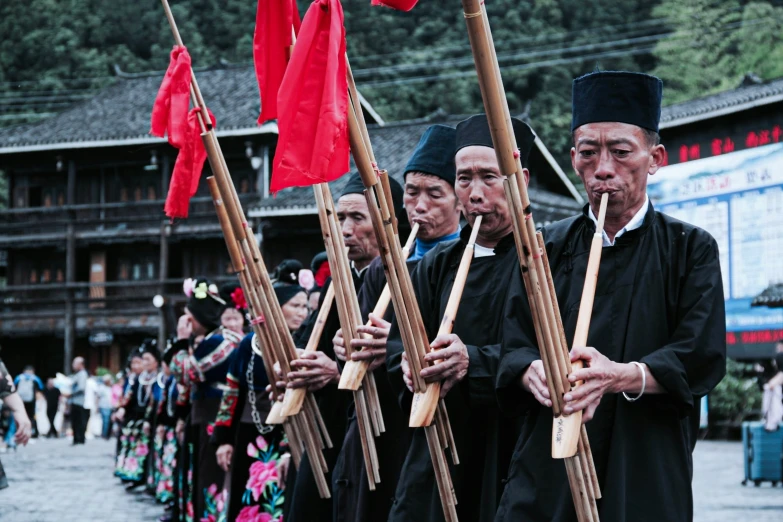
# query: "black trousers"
{"points": [[78, 423], [52, 430], [29, 407]]}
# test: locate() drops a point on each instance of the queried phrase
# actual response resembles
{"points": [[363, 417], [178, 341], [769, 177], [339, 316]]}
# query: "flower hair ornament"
{"points": [[306, 279], [188, 286], [201, 290], [238, 296]]}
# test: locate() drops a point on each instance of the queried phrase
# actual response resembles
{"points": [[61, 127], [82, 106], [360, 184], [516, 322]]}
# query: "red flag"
{"points": [[187, 169], [170, 110], [170, 117], [271, 44], [313, 103], [400, 5]]}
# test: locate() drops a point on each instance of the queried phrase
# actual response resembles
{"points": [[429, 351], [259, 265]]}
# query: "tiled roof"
{"points": [[119, 115], [121, 111], [392, 145], [728, 102]]}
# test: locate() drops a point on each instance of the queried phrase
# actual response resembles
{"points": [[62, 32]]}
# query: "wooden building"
{"points": [[85, 242]]}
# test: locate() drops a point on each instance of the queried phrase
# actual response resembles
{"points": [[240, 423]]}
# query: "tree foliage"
{"points": [[408, 65]]}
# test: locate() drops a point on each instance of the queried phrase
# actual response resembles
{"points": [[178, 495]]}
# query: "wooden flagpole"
{"points": [[535, 268], [305, 429]]}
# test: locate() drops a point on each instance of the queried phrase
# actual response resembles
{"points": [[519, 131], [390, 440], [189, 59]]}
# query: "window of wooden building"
{"points": [[136, 266], [38, 267], [38, 190]]}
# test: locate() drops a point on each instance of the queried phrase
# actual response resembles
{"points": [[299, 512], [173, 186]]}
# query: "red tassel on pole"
{"points": [[170, 110], [271, 49], [187, 169], [313, 103]]}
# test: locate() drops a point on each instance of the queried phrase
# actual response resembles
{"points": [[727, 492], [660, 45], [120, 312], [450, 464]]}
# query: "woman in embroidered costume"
{"points": [[166, 446], [133, 464], [203, 370], [125, 414], [256, 455]]}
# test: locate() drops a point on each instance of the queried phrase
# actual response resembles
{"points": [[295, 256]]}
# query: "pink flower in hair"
{"points": [[188, 286], [306, 279]]}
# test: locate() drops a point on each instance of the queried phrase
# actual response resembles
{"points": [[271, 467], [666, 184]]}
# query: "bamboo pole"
{"points": [[274, 340], [407, 313], [532, 256], [294, 398], [424, 404], [367, 408]]}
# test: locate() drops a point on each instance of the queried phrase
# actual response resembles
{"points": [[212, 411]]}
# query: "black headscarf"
{"points": [[287, 272], [475, 131], [435, 154], [285, 293], [150, 346], [234, 297], [355, 185], [205, 305]]}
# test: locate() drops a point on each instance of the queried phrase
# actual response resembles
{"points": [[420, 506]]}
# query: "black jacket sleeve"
{"points": [[694, 360], [519, 350]]}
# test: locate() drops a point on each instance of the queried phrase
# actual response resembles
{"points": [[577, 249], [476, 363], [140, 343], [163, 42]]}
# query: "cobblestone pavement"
{"points": [[52, 481]]}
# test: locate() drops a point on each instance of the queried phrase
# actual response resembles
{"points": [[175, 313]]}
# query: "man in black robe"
{"points": [[430, 201], [318, 371], [657, 335], [469, 356]]}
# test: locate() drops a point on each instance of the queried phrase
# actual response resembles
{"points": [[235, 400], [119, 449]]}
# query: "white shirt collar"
{"points": [[635, 222], [480, 251], [359, 272]]}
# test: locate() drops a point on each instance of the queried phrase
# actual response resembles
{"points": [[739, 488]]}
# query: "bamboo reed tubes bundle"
{"points": [[305, 429], [569, 435], [414, 336], [368, 415], [294, 398]]}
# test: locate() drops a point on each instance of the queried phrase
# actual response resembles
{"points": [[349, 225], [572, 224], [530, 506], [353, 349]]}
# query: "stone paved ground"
{"points": [[52, 481], [717, 491]]}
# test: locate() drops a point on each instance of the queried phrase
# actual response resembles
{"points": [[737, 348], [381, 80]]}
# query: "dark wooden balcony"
{"points": [[114, 305], [106, 222]]}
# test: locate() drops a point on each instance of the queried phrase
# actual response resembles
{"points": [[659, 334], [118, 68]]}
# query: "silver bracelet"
{"points": [[644, 383]]}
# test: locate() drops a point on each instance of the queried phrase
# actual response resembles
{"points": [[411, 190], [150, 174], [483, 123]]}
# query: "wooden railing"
{"points": [[50, 298], [105, 217]]}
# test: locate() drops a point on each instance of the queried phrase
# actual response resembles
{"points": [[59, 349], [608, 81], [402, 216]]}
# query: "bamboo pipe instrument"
{"points": [[294, 398], [424, 404], [570, 426], [300, 436], [577, 466], [535, 271], [269, 325], [379, 311], [367, 405], [406, 309], [411, 323]]}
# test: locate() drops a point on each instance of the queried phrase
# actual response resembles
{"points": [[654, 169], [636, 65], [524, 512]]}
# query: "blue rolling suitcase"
{"points": [[763, 453]]}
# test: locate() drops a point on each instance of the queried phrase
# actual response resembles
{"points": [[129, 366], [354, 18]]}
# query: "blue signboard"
{"points": [[738, 198]]}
